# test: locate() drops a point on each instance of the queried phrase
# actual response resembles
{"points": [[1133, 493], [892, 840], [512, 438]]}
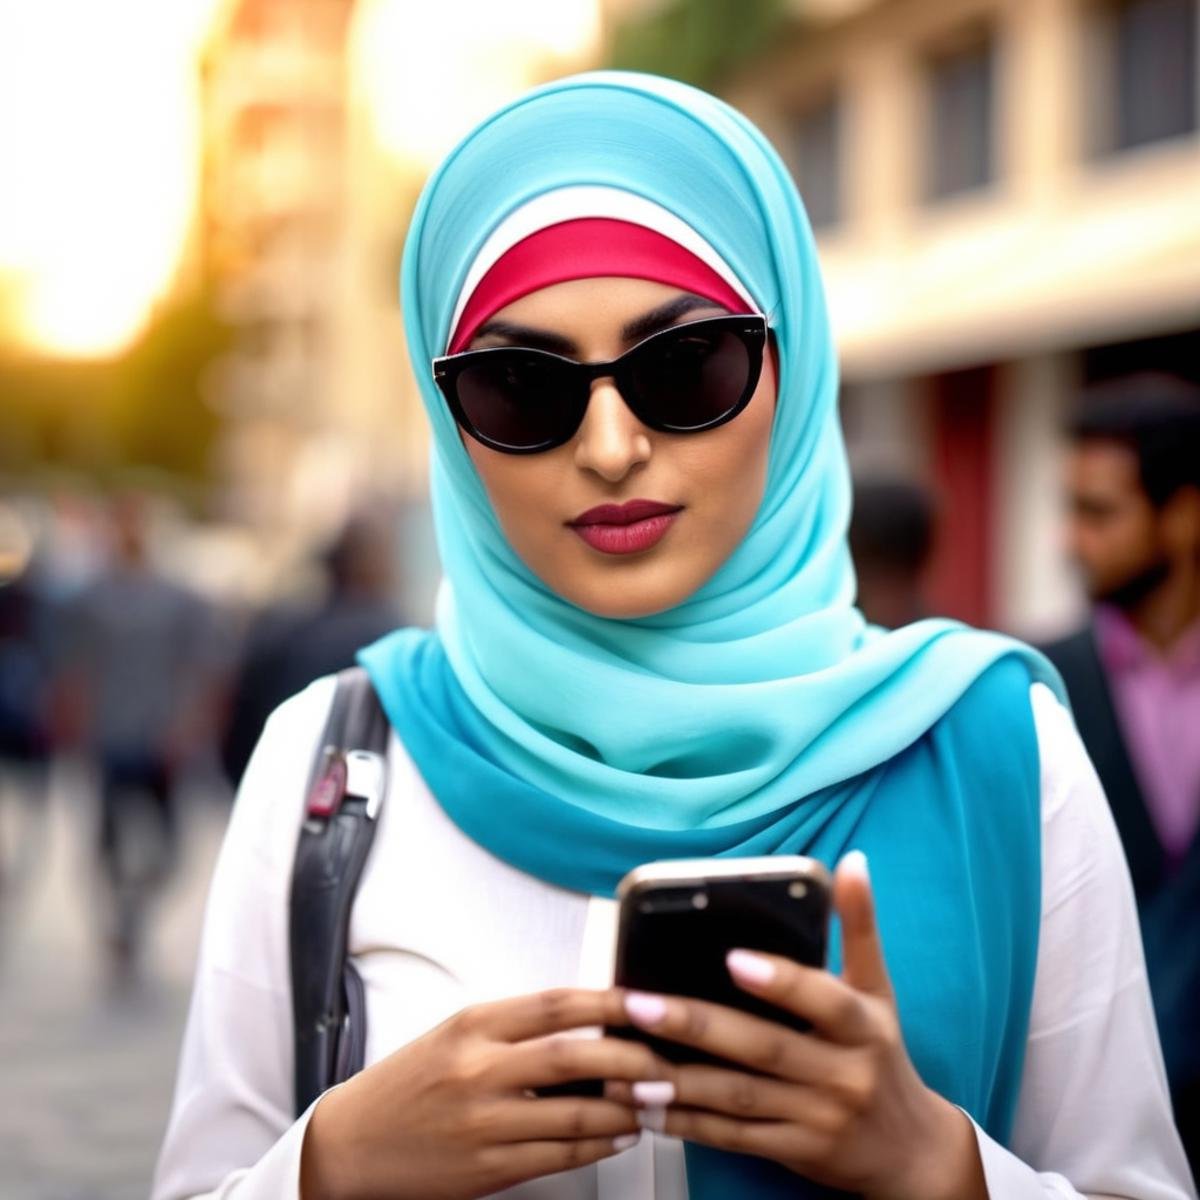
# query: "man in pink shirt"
{"points": [[1133, 674]]}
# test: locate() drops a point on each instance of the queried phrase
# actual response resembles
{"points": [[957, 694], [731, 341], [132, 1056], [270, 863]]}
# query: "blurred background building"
{"points": [[271, 230], [1007, 199]]}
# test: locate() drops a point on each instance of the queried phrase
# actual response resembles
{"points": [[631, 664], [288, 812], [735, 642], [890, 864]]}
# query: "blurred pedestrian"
{"points": [[891, 541], [290, 646], [25, 666], [1133, 674], [137, 668]]}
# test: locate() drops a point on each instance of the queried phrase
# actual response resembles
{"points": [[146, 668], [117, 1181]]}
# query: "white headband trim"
{"points": [[572, 203]]}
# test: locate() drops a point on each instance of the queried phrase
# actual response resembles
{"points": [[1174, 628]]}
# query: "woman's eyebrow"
{"points": [[664, 315], [525, 335], [640, 327]]}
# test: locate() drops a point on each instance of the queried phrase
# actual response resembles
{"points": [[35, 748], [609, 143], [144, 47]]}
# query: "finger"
{"points": [[741, 1095], [764, 1046], [552, 1011], [543, 1061], [835, 1008], [863, 965], [778, 1140], [516, 1162], [526, 1120]]}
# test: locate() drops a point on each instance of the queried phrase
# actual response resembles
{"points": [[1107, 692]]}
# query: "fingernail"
{"points": [[645, 1010], [855, 862], [654, 1119], [654, 1094], [749, 968], [626, 1142]]}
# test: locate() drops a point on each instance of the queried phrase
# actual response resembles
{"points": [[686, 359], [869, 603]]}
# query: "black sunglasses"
{"points": [[682, 380]]}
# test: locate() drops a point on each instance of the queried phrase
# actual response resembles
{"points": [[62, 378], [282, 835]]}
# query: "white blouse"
{"points": [[439, 924]]}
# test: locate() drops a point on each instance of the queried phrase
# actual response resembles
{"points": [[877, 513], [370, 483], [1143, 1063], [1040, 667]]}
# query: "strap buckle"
{"points": [[358, 774], [328, 791], [366, 773]]}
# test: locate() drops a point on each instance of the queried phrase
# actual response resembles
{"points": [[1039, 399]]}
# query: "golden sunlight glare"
{"points": [[99, 136], [430, 71]]}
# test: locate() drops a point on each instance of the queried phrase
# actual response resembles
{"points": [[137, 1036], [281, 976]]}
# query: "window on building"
{"points": [[1144, 72], [818, 160], [960, 150]]}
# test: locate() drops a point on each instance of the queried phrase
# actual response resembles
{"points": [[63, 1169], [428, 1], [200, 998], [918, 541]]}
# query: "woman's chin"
{"points": [[629, 594], [622, 608]]}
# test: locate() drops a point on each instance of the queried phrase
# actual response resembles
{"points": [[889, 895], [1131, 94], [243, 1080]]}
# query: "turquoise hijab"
{"points": [[759, 714]]}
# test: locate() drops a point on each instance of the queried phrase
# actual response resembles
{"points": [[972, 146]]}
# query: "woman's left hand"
{"points": [[840, 1104]]}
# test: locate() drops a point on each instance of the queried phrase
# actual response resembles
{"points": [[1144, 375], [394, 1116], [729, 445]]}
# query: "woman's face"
{"points": [[712, 482]]}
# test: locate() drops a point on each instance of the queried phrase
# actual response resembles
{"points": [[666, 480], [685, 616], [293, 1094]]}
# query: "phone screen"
{"points": [[674, 936]]}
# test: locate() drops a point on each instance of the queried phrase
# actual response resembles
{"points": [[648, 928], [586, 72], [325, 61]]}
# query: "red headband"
{"points": [[585, 249]]}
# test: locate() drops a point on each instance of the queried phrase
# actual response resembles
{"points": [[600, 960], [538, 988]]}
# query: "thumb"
{"points": [[863, 965]]}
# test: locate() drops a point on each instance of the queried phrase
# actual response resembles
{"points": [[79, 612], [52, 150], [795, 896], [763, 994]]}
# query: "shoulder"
{"points": [[270, 797], [1090, 946], [989, 730], [1063, 759], [246, 921], [1075, 812], [1084, 868]]}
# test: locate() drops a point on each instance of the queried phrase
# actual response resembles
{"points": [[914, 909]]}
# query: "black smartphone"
{"points": [[679, 919]]}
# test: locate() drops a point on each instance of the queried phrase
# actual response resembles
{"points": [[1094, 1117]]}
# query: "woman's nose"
{"points": [[611, 441]]}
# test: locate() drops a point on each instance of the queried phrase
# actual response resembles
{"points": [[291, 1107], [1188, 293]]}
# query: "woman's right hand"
{"points": [[451, 1116]]}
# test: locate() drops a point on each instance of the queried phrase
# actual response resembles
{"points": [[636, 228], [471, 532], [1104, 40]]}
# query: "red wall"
{"points": [[962, 405]]}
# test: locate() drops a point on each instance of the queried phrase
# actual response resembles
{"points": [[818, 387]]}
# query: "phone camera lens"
{"points": [[680, 900], [798, 890]]}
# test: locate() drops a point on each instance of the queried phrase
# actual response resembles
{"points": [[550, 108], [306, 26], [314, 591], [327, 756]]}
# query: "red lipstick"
{"points": [[625, 528]]}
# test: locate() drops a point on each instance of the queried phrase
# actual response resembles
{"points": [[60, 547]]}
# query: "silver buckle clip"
{"points": [[364, 779]]}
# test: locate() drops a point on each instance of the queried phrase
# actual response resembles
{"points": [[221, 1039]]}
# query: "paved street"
{"points": [[87, 1068]]}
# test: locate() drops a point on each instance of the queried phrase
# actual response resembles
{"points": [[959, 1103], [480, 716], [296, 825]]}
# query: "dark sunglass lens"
{"points": [[692, 379], [520, 401]]}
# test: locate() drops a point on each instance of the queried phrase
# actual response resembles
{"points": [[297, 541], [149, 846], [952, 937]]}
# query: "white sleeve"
{"points": [[1093, 1114], [232, 1134]]}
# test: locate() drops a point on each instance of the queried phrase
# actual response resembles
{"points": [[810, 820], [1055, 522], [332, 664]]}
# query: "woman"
{"points": [[646, 648]]}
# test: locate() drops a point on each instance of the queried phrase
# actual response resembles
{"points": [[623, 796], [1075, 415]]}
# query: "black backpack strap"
{"points": [[346, 790]]}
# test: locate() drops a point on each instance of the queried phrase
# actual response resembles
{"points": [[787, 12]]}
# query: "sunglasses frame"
{"points": [[750, 328]]}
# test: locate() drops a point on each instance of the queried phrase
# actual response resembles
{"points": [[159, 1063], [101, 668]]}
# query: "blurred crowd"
{"points": [[111, 660]]}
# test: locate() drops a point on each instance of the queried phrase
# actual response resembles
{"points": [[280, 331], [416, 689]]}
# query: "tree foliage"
{"points": [[141, 411], [697, 41]]}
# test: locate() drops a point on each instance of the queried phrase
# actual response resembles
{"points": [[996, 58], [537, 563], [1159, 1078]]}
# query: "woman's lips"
{"points": [[625, 528]]}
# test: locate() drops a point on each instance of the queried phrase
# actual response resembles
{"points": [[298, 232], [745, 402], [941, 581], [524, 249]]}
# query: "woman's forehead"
{"points": [[599, 298]]}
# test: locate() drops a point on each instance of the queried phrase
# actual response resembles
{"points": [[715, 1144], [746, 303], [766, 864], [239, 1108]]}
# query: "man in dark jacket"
{"points": [[892, 531], [288, 647], [1133, 674]]}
